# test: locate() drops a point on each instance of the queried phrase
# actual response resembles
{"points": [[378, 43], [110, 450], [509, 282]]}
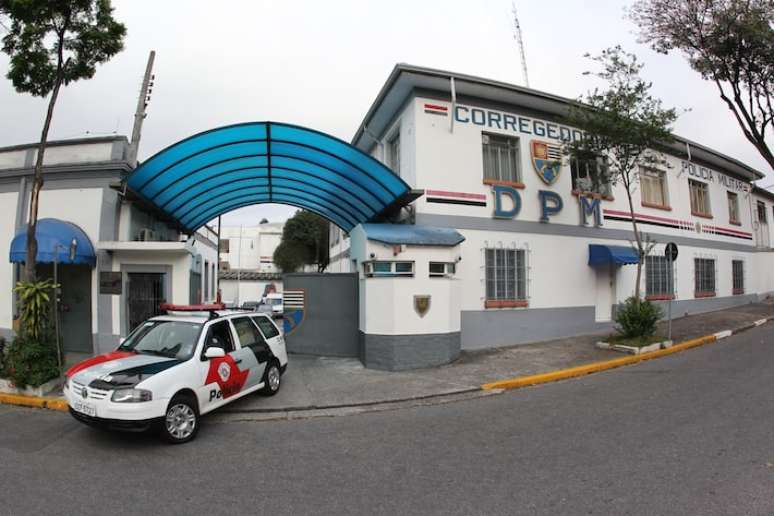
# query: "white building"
{"points": [[138, 260], [250, 247], [522, 273]]}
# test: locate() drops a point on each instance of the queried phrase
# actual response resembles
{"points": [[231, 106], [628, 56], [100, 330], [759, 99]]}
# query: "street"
{"points": [[687, 434]]}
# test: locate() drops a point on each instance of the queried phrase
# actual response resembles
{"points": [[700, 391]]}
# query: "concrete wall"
{"points": [[8, 205]]}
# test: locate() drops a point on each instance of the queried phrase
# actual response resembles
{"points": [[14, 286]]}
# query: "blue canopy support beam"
{"points": [[611, 254], [208, 174]]}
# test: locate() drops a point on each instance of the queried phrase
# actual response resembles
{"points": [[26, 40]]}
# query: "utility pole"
{"points": [[142, 104], [518, 38]]}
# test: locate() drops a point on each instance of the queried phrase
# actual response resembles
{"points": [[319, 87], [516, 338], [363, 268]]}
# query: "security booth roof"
{"points": [[615, 254], [58, 241], [410, 234], [217, 171]]}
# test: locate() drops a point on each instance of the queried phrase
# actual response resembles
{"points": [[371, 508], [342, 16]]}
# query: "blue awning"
{"points": [[409, 234], [58, 240], [616, 254], [217, 171]]}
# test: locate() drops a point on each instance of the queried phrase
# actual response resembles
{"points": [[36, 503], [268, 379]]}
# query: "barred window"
{"points": [[501, 158], [704, 276], [654, 187], [737, 271], [506, 275], [733, 208], [659, 280], [700, 204], [590, 175], [761, 212]]}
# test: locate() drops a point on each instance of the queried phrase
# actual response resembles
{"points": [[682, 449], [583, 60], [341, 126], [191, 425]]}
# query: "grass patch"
{"points": [[636, 342]]}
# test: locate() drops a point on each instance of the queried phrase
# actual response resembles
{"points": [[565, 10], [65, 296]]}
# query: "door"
{"points": [[74, 307], [224, 377], [273, 337], [604, 293], [145, 294], [254, 351]]}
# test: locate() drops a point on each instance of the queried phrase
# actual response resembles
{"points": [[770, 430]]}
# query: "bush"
{"points": [[31, 361], [2, 356], [637, 318]]}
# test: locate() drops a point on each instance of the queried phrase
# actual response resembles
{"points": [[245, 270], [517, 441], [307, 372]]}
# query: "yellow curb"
{"points": [[572, 372], [34, 401]]}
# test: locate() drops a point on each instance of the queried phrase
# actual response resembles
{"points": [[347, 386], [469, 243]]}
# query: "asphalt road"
{"points": [[688, 434]]}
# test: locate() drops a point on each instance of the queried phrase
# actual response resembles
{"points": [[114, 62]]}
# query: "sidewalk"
{"points": [[322, 382]]}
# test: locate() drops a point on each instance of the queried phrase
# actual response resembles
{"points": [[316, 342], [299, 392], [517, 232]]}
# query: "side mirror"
{"points": [[214, 353]]}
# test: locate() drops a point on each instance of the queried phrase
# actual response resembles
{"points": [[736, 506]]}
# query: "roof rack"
{"points": [[211, 308]]}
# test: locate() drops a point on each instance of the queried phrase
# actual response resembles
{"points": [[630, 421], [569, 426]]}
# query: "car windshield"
{"points": [[173, 339], [274, 302]]}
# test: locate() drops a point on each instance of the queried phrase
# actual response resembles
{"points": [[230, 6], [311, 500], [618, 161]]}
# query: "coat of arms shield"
{"points": [[547, 160], [421, 305]]}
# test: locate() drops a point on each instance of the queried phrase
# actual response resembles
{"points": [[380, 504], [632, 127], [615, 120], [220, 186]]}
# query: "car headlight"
{"points": [[131, 395]]}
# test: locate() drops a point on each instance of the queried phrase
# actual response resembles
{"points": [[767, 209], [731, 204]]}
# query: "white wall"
{"points": [[8, 204]]}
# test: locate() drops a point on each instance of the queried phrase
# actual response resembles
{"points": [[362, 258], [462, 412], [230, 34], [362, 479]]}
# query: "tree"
{"points": [[730, 43], [625, 126], [304, 242], [53, 43]]}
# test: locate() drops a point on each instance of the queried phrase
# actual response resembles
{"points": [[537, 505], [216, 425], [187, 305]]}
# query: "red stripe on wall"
{"points": [[728, 230], [433, 106], [641, 216], [463, 195]]}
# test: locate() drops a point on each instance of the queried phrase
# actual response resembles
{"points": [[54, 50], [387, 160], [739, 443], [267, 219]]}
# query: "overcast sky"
{"points": [[321, 63]]}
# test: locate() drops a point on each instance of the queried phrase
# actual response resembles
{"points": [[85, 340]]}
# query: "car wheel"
{"points": [[181, 421], [272, 379]]}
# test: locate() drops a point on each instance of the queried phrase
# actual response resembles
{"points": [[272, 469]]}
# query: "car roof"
{"points": [[202, 317]]}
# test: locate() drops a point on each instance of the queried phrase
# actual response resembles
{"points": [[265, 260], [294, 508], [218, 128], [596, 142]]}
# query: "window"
{"points": [[506, 278], [395, 153], [659, 280], [737, 271], [442, 269], [654, 188], [267, 327], [388, 269], [700, 203], [733, 208], [249, 336], [224, 245], [762, 212], [501, 158], [590, 175], [171, 339], [704, 277], [219, 336]]}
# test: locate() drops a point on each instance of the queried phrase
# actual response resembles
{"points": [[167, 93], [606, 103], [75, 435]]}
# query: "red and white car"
{"points": [[174, 368]]}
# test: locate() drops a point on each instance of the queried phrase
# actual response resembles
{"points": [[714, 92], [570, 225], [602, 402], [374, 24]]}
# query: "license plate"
{"points": [[84, 408]]}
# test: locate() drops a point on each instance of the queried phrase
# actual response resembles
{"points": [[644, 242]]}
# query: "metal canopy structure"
{"points": [[217, 171], [59, 241]]}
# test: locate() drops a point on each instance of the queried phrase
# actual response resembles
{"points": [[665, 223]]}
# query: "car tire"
{"points": [[180, 423], [272, 379]]}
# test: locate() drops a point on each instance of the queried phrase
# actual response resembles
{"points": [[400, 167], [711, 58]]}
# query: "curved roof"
{"points": [[58, 240], [217, 171]]}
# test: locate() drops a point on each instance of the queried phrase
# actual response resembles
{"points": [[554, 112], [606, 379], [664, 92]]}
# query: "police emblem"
{"points": [[547, 160], [421, 305], [224, 371]]}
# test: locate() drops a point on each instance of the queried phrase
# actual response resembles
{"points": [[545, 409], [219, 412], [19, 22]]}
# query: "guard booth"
{"points": [[321, 314]]}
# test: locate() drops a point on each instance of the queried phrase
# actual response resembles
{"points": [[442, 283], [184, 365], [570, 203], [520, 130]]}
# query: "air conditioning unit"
{"points": [[147, 235]]}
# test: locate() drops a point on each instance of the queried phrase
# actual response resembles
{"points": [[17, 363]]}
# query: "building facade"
{"points": [[484, 155]]}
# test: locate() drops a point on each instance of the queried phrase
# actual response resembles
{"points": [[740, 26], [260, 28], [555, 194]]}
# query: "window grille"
{"points": [[501, 158]]}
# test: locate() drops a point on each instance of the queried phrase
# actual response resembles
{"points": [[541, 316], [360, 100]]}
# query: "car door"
{"points": [[255, 351], [222, 378], [273, 337]]}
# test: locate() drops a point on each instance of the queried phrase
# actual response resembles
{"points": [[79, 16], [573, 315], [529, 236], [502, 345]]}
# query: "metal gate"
{"points": [[145, 295], [321, 313]]}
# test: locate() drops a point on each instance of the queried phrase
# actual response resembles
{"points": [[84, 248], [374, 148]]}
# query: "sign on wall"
{"points": [[110, 282]]}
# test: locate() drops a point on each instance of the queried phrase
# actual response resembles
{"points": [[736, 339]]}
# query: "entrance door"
{"points": [[604, 293], [145, 293], [74, 306]]}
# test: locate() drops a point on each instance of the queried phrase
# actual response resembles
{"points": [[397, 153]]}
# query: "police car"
{"points": [[174, 368]]}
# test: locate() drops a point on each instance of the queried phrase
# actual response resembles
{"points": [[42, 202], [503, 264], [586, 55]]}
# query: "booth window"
{"points": [[501, 159], [590, 175], [733, 208], [388, 269], [442, 269], [224, 246], [737, 271], [761, 212], [506, 278], [704, 277], [654, 188], [700, 203], [395, 153], [659, 282]]}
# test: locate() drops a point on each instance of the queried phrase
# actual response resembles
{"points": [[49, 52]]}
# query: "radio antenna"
{"points": [[518, 38]]}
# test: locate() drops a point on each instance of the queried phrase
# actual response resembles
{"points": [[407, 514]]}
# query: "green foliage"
{"points": [[60, 41], [31, 361], [3, 345], [637, 318], [304, 242], [730, 43], [35, 301]]}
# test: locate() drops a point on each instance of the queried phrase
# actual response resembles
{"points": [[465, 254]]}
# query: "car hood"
{"points": [[119, 369]]}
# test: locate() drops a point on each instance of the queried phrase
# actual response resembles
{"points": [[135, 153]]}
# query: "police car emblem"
{"points": [[84, 393], [547, 160], [224, 371]]}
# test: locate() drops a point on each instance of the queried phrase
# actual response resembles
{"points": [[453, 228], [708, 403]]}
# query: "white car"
{"points": [[272, 305], [172, 369]]}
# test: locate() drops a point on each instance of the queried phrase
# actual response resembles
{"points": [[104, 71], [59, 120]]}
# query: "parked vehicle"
{"points": [[272, 305], [251, 306], [174, 368]]}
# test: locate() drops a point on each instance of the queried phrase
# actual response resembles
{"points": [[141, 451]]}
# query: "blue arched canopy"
{"points": [[217, 171], [58, 241]]}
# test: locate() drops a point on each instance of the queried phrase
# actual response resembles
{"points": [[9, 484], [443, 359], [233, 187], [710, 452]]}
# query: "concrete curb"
{"points": [[595, 367], [34, 401]]}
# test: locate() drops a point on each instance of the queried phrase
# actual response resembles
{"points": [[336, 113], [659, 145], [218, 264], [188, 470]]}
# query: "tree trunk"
{"points": [[637, 239]]}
